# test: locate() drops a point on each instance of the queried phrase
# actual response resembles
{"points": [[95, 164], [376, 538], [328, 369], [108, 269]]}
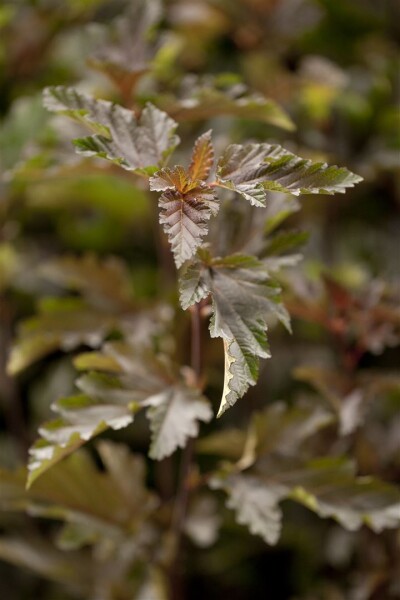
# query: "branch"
{"points": [[182, 498]]}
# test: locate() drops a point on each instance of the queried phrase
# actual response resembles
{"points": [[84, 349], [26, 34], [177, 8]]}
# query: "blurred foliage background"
{"points": [[333, 67]]}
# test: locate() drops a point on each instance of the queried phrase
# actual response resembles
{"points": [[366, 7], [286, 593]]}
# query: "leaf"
{"points": [[256, 505], [186, 207], [284, 241], [82, 418], [119, 461], [203, 521], [154, 587], [252, 169], [139, 145], [243, 296], [174, 416], [109, 501], [241, 168], [41, 557], [109, 400], [202, 157], [227, 443], [282, 429], [67, 323], [326, 486], [193, 286], [104, 283], [124, 52], [276, 429], [207, 102], [61, 324]]}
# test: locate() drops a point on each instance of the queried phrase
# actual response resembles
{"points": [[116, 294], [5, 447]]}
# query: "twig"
{"points": [[182, 498]]}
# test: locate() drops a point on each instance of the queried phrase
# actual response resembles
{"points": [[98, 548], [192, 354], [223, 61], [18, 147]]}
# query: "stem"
{"points": [[9, 396], [182, 498]]}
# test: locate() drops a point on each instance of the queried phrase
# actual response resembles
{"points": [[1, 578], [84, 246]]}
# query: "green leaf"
{"points": [[243, 297], [186, 207], [174, 415], [252, 169], [326, 486], [139, 145]]}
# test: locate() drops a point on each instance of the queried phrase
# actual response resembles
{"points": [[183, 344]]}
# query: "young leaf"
{"points": [[186, 207], [202, 157], [252, 169], [243, 296], [139, 145], [174, 415], [124, 53]]}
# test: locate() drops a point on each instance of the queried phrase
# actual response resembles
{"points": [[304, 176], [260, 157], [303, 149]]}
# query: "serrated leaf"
{"points": [[110, 400], [192, 285], [202, 157], [186, 207], [139, 145], [174, 417], [327, 486], [81, 418], [256, 505], [106, 401], [252, 169], [208, 102], [243, 296]]}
